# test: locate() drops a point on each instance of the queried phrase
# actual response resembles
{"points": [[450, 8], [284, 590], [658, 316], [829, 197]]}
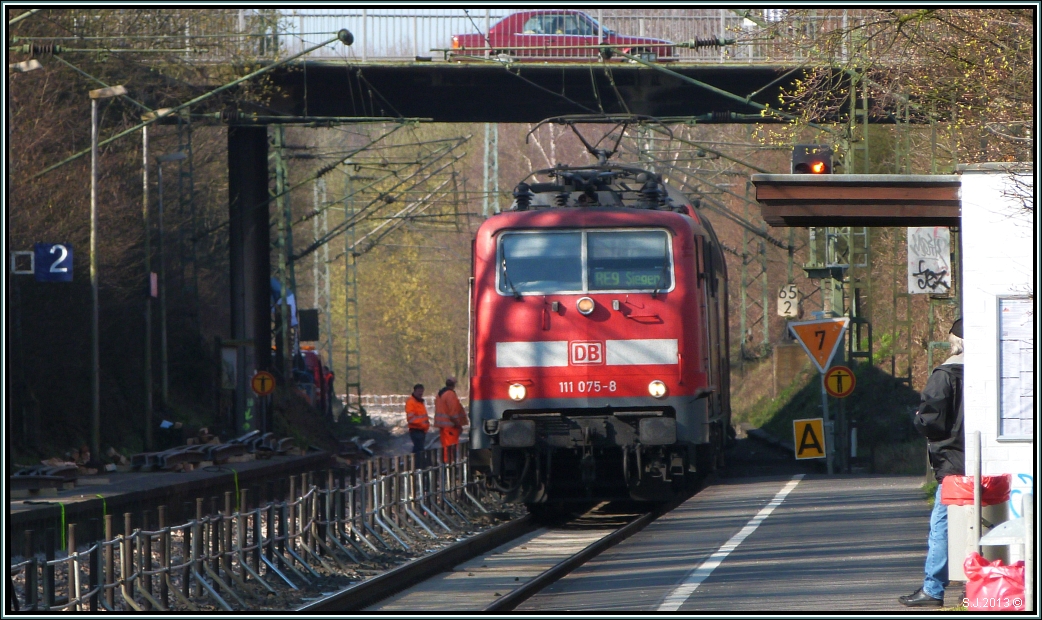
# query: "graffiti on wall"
{"points": [[929, 260], [1023, 483]]}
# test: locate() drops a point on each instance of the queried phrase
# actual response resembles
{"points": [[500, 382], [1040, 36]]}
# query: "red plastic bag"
{"points": [[993, 586], [958, 490]]}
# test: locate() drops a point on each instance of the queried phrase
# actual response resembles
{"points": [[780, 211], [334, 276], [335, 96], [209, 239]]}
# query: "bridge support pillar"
{"points": [[250, 264]]}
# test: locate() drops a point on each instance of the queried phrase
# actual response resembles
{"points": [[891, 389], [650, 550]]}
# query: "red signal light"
{"points": [[812, 159]]}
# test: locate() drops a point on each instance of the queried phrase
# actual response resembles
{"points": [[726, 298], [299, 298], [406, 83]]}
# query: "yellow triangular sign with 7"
{"points": [[820, 339]]}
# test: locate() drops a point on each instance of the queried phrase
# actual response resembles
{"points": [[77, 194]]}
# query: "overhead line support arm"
{"points": [[343, 35], [720, 91]]}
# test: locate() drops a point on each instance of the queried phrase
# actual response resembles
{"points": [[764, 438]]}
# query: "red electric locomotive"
{"points": [[599, 340]]}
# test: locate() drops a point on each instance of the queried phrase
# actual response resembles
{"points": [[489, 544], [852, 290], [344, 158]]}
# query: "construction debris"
{"points": [[208, 448], [354, 447]]}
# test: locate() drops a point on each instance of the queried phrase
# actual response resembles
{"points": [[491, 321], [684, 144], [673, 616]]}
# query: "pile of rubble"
{"points": [[209, 449], [62, 472], [355, 450]]}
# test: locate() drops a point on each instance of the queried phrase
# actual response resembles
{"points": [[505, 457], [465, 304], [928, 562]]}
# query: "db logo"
{"points": [[587, 352]]}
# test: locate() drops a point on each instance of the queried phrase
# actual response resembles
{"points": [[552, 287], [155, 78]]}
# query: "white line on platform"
{"points": [[695, 578]]}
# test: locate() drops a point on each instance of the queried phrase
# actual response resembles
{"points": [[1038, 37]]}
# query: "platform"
{"points": [[136, 492], [840, 544]]}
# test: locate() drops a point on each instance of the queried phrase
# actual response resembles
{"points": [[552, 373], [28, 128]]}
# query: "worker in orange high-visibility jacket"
{"points": [[449, 416], [419, 421]]}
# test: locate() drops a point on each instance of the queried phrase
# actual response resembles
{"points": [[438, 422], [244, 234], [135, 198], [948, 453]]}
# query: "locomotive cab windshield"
{"points": [[542, 262]]}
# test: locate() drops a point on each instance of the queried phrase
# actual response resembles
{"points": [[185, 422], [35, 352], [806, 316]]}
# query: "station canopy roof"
{"points": [[815, 200]]}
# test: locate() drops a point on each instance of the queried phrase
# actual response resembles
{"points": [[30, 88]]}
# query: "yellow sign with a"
{"points": [[809, 438], [820, 339]]}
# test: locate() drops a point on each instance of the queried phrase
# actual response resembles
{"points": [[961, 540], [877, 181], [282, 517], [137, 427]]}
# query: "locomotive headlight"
{"points": [[585, 305], [657, 389], [517, 391]]}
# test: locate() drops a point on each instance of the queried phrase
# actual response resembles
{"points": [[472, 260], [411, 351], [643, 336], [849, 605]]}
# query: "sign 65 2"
{"points": [[789, 301]]}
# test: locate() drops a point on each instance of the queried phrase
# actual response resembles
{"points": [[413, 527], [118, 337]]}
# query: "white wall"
{"points": [[997, 261]]}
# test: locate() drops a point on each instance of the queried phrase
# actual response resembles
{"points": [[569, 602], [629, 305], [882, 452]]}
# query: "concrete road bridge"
{"points": [[725, 67]]}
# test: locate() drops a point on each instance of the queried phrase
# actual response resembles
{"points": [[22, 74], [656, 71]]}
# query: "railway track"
{"points": [[499, 569], [494, 571]]}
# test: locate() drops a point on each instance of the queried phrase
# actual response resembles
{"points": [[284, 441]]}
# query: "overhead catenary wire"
{"points": [[547, 90], [373, 89], [308, 216], [321, 172], [721, 208], [718, 206], [721, 154], [719, 91], [369, 240], [438, 155], [362, 213]]}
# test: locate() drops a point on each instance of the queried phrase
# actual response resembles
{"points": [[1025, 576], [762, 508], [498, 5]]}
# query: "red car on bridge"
{"points": [[556, 34]]}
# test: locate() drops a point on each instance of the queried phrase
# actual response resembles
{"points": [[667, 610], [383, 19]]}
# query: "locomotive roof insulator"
{"points": [[610, 185], [523, 194], [588, 197]]}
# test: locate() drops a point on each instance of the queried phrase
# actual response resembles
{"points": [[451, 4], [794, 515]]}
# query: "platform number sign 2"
{"points": [[789, 301], [53, 262]]}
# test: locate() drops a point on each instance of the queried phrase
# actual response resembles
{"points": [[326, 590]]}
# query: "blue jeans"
{"points": [[937, 550]]}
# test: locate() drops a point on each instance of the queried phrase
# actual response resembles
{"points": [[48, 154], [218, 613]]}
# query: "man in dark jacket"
{"points": [[939, 419]]}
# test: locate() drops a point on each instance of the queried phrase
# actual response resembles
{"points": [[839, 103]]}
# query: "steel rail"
{"points": [[510, 601], [382, 586]]}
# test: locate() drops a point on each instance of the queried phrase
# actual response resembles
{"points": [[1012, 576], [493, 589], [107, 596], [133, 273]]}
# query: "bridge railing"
{"points": [[405, 34], [381, 34], [384, 34]]}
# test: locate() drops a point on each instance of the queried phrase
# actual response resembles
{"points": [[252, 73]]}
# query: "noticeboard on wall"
{"points": [[1016, 368]]}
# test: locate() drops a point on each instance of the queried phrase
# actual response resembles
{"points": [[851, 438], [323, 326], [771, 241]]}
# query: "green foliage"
{"points": [[882, 347], [414, 315], [763, 413], [880, 407], [929, 490], [969, 70]]}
